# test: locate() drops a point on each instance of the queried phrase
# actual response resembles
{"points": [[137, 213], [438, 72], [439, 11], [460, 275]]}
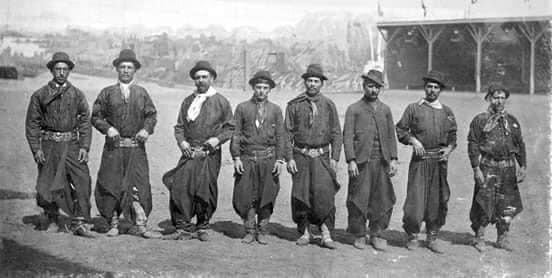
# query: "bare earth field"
{"points": [[25, 251]]}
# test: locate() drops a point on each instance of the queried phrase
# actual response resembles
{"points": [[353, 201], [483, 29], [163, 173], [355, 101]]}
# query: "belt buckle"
{"points": [[313, 152], [57, 136]]}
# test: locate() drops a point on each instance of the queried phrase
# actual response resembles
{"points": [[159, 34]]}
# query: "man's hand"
{"points": [[333, 165], [417, 146], [83, 156], [39, 157], [113, 133], [278, 165], [185, 148], [238, 166], [445, 153], [521, 174], [292, 167], [393, 167], [353, 169], [213, 142], [478, 177], [142, 135]]}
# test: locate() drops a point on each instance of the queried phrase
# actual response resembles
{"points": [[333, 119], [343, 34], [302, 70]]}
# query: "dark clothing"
{"points": [[123, 170], [193, 182], [63, 182], [257, 187], [361, 121], [313, 123], [494, 143], [369, 140], [428, 191]]}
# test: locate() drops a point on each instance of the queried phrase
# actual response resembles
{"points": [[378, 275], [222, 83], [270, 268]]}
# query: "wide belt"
{"points": [[260, 154], [312, 152], [57, 136], [200, 151], [127, 142], [432, 154], [504, 163]]}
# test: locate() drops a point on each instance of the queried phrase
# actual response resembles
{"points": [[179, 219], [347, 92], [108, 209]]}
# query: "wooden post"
{"points": [[430, 35], [387, 38], [479, 33], [532, 31]]}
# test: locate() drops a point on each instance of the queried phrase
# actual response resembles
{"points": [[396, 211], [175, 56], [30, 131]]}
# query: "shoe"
{"points": [[479, 244], [262, 238], [502, 242], [83, 232], [113, 231], [152, 235], [360, 243], [178, 235], [378, 243], [249, 238], [413, 242], [436, 246], [303, 240], [202, 235], [52, 227], [328, 243]]}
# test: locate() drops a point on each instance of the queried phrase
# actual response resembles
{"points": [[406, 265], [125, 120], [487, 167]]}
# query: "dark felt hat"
{"points": [[264, 76], [375, 76], [435, 76], [314, 70], [60, 57], [496, 87], [127, 55], [203, 65]]}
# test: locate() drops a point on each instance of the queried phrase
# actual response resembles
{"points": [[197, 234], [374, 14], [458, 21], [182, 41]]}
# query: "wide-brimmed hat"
{"points": [[314, 70], [435, 76], [264, 76], [496, 87], [127, 55], [374, 75], [60, 57], [203, 65]]}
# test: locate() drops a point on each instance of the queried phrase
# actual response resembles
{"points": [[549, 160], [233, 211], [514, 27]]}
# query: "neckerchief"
{"points": [[494, 120], [435, 104], [195, 107]]}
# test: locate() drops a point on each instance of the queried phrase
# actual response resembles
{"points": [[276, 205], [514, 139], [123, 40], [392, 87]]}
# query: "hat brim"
{"points": [[255, 80], [307, 75], [429, 79], [196, 69], [51, 64], [379, 82], [117, 61]]}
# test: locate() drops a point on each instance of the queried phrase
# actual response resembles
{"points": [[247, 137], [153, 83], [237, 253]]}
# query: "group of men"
{"points": [[307, 139]]}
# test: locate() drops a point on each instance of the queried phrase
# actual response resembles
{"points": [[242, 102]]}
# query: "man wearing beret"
{"points": [[370, 147], [58, 132], [314, 146], [495, 144], [204, 123], [125, 113], [430, 128], [257, 148]]}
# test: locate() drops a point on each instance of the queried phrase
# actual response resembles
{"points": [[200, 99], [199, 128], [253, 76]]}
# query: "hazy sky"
{"points": [[262, 14]]}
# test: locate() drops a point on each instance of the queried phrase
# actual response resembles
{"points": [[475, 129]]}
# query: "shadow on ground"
{"points": [[17, 260], [10, 194]]}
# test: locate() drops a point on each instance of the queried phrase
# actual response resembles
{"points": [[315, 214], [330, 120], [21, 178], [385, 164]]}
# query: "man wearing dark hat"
{"points": [[204, 123], [125, 113], [370, 147], [495, 144], [430, 128], [314, 133], [257, 148], [59, 134]]}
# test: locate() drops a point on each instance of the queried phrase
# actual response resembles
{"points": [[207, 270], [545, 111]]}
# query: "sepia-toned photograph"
{"points": [[218, 138]]}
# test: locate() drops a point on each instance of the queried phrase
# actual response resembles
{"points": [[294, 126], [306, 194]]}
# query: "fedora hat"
{"points": [[203, 65], [60, 57], [264, 76], [314, 70], [435, 76], [496, 87], [374, 75], [127, 55]]}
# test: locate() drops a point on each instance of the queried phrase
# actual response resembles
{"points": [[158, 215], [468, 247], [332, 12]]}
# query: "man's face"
{"points": [[432, 91], [60, 72], [126, 71], [313, 85], [260, 91], [498, 101], [203, 81], [371, 89]]}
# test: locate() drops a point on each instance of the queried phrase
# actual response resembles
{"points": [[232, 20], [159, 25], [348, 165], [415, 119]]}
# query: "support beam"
{"points": [[533, 31], [387, 39], [430, 34], [479, 33]]}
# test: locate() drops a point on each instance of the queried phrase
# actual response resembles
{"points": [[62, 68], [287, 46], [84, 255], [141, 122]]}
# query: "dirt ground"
{"points": [[25, 251]]}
